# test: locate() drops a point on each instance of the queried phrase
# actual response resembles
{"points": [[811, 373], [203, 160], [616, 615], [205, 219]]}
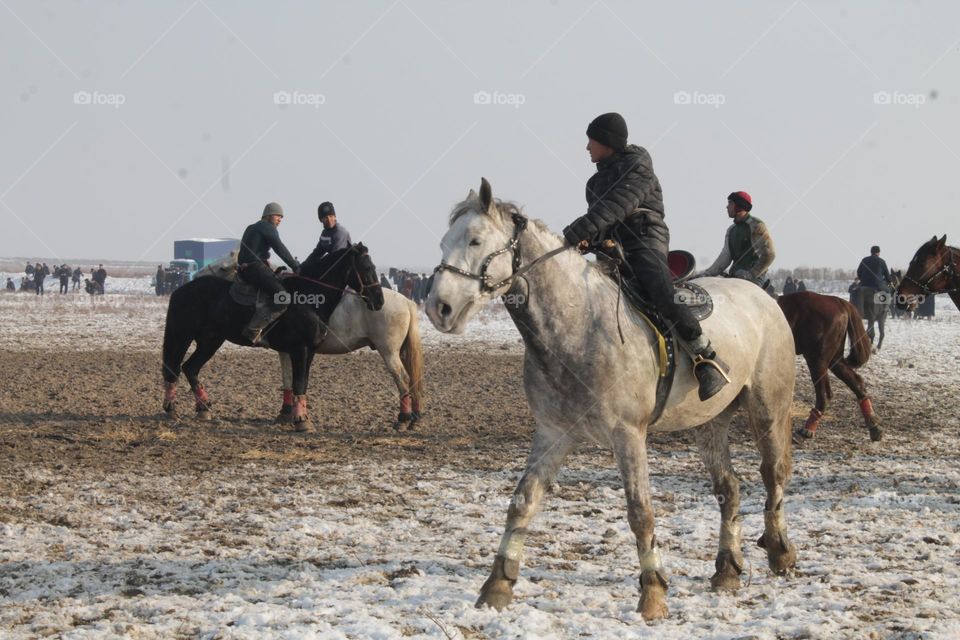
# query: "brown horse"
{"points": [[821, 325], [933, 270]]}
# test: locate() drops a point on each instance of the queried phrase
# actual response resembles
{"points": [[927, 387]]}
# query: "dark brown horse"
{"points": [[933, 270], [821, 325]]}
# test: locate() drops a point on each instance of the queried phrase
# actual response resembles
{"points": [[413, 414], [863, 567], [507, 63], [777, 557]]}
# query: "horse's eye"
{"points": [[474, 243]]}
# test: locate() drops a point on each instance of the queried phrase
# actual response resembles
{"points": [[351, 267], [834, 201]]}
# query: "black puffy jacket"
{"points": [[624, 200]]}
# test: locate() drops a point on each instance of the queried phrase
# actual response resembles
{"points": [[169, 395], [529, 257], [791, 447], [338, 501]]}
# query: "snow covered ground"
{"points": [[391, 547]]}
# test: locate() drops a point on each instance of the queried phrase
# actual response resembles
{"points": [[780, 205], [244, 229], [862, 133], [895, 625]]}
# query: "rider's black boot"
{"points": [[710, 374], [263, 316]]}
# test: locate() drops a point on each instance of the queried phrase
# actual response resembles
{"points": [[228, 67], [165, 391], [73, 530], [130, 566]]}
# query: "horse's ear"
{"points": [[942, 241], [472, 195], [486, 195]]}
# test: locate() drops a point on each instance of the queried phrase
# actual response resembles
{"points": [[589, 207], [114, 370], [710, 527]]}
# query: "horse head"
{"points": [[932, 270], [480, 253], [364, 278]]}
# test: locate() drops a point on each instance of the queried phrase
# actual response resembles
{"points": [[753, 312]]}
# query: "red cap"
{"points": [[741, 199]]}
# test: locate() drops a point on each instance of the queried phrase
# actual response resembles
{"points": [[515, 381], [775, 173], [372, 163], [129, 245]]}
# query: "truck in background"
{"points": [[190, 256]]}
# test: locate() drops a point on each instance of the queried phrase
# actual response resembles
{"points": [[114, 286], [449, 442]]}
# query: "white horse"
{"points": [[395, 334], [393, 331], [583, 384]]}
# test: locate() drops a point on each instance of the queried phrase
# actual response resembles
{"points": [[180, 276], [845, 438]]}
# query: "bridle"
{"points": [[949, 269], [363, 286], [486, 287]]}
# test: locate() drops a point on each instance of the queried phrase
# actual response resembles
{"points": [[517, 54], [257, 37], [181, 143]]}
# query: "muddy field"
{"points": [[120, 522]]}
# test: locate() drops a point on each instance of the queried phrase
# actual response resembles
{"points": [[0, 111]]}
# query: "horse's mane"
{"points": [[505, 208]]}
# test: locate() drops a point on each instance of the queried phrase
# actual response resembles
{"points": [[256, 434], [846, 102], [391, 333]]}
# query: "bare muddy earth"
{"points": [[117, 521]]}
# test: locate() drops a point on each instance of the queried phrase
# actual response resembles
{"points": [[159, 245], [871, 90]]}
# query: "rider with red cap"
{"points": [[747, 248]]}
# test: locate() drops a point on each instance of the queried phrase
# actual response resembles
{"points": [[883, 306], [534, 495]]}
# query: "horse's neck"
{"points": [[550, 304]]}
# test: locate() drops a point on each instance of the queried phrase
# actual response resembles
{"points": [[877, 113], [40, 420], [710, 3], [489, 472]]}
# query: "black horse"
{"points": [[203, 311]]}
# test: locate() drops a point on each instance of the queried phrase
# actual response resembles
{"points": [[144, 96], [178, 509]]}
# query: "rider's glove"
{"points": [[581, 229]]}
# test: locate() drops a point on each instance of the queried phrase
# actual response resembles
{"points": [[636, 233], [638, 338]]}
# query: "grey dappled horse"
{"points": [[584, 385]]}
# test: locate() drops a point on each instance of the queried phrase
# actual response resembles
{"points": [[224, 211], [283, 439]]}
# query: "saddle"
{"points": [[245, 294], [681, 264]]}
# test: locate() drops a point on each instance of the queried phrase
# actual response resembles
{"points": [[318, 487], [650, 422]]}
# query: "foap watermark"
{"points": [[692, 298], [715, 100], [99, 98], [298, 99], [297, 297], [899, 98], [498, 98]]}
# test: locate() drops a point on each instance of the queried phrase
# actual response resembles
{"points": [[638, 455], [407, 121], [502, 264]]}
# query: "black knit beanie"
{"points": [[609, 129], [325, 209]]}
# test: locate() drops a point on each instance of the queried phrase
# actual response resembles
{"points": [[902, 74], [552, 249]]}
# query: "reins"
{"points": [[948, 269]]}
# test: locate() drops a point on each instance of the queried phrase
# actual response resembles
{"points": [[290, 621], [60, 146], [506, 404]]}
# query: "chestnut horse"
{"points": [[821, 325], [933, 270]]}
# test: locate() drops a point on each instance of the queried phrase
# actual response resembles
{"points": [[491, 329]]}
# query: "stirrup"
{"points": [[700, 360]]}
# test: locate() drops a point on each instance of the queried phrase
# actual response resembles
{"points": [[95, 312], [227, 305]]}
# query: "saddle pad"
{"points": [[243, 293]]}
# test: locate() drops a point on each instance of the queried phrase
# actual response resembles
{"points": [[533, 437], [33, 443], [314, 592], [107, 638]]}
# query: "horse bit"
{"points": [[520, 224]]}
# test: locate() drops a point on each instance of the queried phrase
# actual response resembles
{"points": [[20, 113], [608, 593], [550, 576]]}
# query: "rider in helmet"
{"points": [[625, 203], [252, 267]]}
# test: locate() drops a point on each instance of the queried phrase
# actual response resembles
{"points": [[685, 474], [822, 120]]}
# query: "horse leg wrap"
{"points": [[169, 392], [511, 550], [300, 407], [650, 560], [203, 400], [866, 408], [416, 405], [287, 401], [813, 420], [406, 404]]}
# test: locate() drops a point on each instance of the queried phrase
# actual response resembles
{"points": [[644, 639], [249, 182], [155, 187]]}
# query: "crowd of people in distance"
{"points": [[414, 286], [35, 279]]}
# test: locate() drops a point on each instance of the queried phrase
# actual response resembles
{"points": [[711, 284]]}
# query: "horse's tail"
{"points": [[859, 340], [177, 333], [411, 355]]}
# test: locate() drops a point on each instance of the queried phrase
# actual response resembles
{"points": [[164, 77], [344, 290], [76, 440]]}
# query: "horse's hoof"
{"points": [[781, 554], [496, 593], [169, 408], [203, 414], [876, 435], [283, 418], [727, 577], [415, 419], [304, 426], [653, 597], [399, 426]]}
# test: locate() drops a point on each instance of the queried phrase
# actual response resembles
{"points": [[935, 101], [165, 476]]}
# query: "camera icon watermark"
{"points": [[882, 298], [98, 98], [899, 98], [298, 99], [498, 98], [282, 297], [715, 100]]}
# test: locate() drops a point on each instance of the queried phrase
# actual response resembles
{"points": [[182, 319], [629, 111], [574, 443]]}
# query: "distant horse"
{"points": [[584, 385], [821, 325], [394, 331], [875, 305], [934, 269], [204, 311]]}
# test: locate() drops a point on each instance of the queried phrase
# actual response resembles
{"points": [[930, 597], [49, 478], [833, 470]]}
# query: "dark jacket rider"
{"points": [[253, 268], [625, 203]]}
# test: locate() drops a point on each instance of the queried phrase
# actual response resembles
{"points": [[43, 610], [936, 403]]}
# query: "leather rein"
{"points": [[486, 286]]}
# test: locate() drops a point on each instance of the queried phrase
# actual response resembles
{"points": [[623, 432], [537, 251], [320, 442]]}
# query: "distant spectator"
{"points": [[771, 290], [161, 280], [789, 286], [384, 282], [64, 272], [10, 285], [100, 277], [856, 295], [29, 270], [39, 274], [77, 274], [801, 286]]}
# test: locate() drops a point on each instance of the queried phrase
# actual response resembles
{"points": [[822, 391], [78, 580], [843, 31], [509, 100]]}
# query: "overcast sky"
{"points": [[127, 125]]}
